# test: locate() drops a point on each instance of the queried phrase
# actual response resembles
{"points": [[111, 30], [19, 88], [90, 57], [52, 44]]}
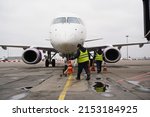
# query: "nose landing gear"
{"points": [[49, 59], [47, 62]]}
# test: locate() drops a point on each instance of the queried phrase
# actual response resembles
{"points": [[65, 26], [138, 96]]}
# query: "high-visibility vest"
{"points": [[83, 57], [99, 57]]}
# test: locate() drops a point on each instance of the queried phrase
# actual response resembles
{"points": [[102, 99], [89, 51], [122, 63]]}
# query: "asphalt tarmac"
{"points": [[125, 80]]}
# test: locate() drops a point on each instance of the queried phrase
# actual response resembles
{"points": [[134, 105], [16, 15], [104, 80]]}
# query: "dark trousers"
{"points": [[84, 66], [99, 66]]}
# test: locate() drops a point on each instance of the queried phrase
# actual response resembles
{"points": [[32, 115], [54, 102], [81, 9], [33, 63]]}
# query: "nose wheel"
{"points": [[53, 62], [49, 60], [47, 63]]}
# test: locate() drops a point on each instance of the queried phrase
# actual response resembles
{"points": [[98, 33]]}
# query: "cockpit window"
{"points": [[59, 20], [67, 20], [73, 20]]}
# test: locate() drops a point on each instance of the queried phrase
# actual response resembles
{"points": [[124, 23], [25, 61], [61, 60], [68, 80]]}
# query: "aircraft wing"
{"points": [[89, 40], [130, 44], [25, 47], [141, 44], [119, 46]]}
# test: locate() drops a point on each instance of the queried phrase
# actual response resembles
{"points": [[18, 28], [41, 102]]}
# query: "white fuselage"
{"points": [[66, 36]]}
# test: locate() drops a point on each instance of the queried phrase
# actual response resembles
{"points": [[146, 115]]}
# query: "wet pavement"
{"points": [[125, 80]]}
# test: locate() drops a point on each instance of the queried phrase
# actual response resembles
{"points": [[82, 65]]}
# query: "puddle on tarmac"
{"points": [[139, 87], [19, 96], [142, 89], [100, 87], [106, 94], [24, 88], [98, 78], [134, 82]]}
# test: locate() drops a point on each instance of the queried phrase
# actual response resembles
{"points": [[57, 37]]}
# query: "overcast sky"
{"points": [[27, 22]]}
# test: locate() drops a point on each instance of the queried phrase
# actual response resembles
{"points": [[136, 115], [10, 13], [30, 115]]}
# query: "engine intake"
{"points": [[111, 55], [31, 56]]}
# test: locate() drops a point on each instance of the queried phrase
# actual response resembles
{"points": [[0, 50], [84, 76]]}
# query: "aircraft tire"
{"points": [[46, 63], [53, 62]]}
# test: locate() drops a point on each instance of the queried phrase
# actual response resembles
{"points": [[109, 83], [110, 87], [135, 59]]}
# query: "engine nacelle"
{"points": [[31, 56], [111, 55]]}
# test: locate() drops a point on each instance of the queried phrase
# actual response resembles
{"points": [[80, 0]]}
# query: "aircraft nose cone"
{"points": [[70, 38], [65, 38]]}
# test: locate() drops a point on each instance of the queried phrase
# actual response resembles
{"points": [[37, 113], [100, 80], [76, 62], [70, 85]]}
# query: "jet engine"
{"points": [[31, 56], [111, 55]]}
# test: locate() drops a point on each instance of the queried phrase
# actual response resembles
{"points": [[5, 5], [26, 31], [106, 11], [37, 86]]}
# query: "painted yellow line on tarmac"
{"points": [[66, 87]]}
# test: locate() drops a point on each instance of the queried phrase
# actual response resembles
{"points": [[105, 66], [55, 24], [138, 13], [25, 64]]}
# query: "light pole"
{"points": [[127, 46]]}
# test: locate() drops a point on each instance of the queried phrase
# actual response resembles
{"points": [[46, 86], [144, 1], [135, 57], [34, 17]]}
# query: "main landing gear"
{"points": [[49, 59]]}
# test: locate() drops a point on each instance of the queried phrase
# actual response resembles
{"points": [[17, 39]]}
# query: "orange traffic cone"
{"points": [[69, 70], [105, 68], [93, 67]]}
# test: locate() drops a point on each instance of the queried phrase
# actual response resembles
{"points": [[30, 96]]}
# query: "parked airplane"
{"points": [[66, 32]]}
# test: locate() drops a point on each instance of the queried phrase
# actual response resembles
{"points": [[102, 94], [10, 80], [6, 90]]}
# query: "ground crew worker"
{"points": [[98, 57], [82, 56]]}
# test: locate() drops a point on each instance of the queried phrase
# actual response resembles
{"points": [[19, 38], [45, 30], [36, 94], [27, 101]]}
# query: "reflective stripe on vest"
{"points": [[99, 57], [83, 57]]}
